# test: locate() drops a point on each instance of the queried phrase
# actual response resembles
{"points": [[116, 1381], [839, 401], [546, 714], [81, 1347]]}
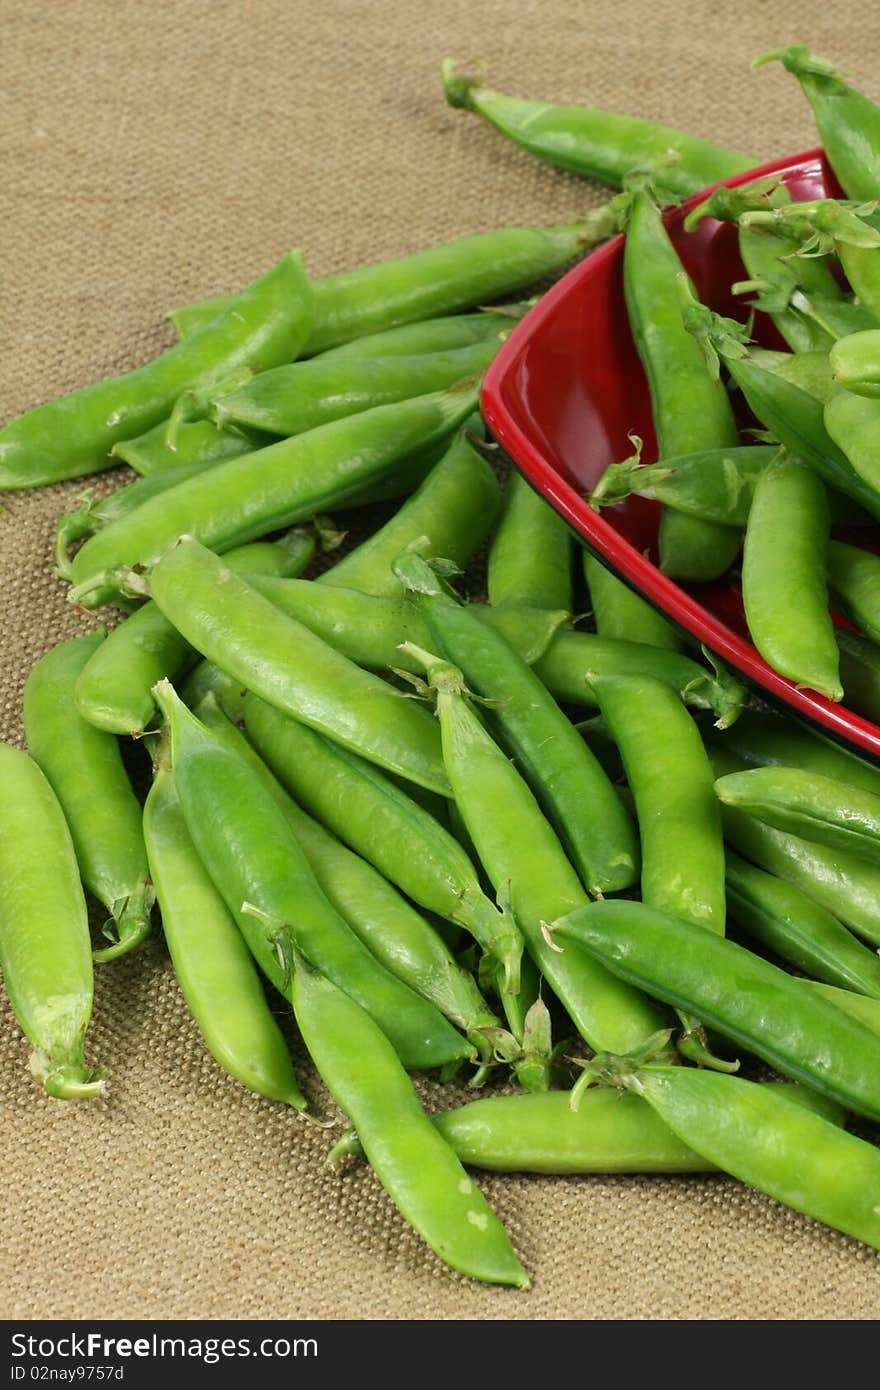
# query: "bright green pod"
{"points": [[526, 862], [225, 619], [784, 920], [600, 145], [450, 514], [717, 484], [244, 498], [810, 371], [529, 561], [194, 442], [73, 435], [300, 396], [621, 614], [45, 951], [691, 410], [785, 594], [251, 853], [114, 690], [736, 993], [848, 122], [761, 738], [85, 769], [443, 334], [855, 363], [671, 779], [854, 578], [415, 1165], [608, 1132], [861, 1006], [214, 968], [815, 808], [760, 1137]]}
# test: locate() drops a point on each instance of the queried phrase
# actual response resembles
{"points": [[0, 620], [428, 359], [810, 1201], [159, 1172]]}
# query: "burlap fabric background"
{"points": [[152, 153]]}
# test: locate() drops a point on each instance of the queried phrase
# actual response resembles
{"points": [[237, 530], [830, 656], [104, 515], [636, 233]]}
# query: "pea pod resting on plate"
{"points": [[623, 615], [85, 769], [74, 434], [45, 951]]}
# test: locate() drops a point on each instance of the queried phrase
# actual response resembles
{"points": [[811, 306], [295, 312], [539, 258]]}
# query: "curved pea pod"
{"points": [[600, 145], [785, 594], [623, 615], [717, 484], [671, 778], [244, 498], [759, 1136], [74, 434], [572, 657], [529, 561], [815, 808], [214, 967], [853, 424], [755, 1004], [193, 442], [299, 396], [525, 861], [389, 926], [854, 579], [566, 778], [608, 1132], [855, 363], [690, 407], [443, 334], [384, 824], [114, 689], [45, 949], [762, 738], [798, 930], [415, 1165], [450, 514], [250, 851], [848, 122], [85, 769], [225, 619]]}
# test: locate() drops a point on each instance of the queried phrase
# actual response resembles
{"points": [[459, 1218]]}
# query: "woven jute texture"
{"points": [[151, 154]]}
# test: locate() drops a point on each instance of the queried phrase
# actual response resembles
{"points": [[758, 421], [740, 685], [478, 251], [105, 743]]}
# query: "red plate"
{"points": [[567, 389]]}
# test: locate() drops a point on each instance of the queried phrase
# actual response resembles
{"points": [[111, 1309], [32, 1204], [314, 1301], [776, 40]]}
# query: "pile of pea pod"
{"points": [[401, 787]]}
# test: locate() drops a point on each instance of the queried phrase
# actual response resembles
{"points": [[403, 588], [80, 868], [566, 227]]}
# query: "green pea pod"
{"points": [[810, 371], [860, 673], [784, 590], [855, 362], [861, 1006], [381, 822], [755, 1004], [450, 514], [573, 656], [783, 919], [691, 410], [529, 561], [623, 615], [114, 688], [399, 937], [244, 498], [525, 862], [600, 145], [415, 1165], [246, 843], [471, 270], [74, 434], [671, 778], [45, 950], [762, 738], [433, 335], [848, 122], [300, 396], [567, 780], [760, 1137], [853, 424], [813, 807], [85, 769], [194, 441], [225, 619], [717, 484], [214, 967], [847, 886], [608, 1132]]}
